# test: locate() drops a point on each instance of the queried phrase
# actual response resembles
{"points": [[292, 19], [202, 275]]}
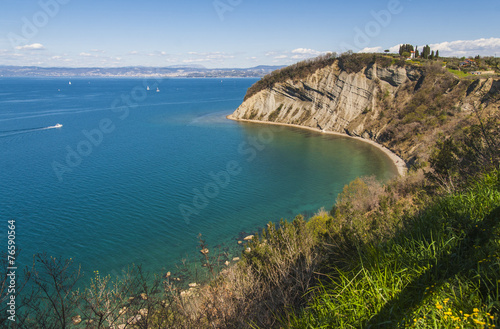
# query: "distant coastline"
{"points": [[136, 72], [396, 160]]}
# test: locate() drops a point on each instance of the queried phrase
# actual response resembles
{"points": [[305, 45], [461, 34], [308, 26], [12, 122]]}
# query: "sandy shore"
{"points": [[398, 162]]}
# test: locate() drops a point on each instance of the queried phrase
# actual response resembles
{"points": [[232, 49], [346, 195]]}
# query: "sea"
{"points": [[110, 172]]}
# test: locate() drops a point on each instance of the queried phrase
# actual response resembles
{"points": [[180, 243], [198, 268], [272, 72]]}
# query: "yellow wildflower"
{"points": [[481, 323]]}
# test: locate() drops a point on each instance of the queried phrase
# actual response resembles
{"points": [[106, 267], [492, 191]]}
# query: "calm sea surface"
{"points": [[134, 175]]}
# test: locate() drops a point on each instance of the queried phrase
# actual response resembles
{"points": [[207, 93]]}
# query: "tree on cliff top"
{"points": [[407, 48]]}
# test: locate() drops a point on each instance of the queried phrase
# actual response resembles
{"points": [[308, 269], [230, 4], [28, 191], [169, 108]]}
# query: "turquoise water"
{"points": [[134, 176]]}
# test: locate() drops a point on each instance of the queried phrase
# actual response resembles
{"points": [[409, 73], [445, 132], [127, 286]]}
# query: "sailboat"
{"points": [[69, 83], [157, 89], [147, 88]]}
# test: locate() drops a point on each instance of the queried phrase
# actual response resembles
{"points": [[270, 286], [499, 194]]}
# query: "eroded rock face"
{"points": [[330, 99], [376, 104]]}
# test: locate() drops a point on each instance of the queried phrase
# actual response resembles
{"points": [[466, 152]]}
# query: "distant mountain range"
{"points": [[197, 71]]}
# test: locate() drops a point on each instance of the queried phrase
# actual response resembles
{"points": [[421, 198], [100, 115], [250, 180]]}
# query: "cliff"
{"points": [[402, 107]]}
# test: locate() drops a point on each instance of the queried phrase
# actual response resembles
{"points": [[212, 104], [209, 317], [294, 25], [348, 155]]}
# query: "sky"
{"points": [[235, 33]]}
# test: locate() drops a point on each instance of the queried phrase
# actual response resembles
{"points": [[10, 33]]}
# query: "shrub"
{"points": [[361, 195], [459, 159]]}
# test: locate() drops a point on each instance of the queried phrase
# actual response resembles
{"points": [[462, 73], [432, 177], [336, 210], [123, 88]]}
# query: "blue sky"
{"points": [[235, 33]]}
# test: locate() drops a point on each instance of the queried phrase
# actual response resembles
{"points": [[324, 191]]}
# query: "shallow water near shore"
{"points": [[133, 176]]}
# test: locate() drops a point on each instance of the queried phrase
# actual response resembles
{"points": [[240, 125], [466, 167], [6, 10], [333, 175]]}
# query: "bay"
{"points": [[135, 175]]}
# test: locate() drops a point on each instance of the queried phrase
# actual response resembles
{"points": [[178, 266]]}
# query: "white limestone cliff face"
{"points": [[405, 109], [330, 99]]}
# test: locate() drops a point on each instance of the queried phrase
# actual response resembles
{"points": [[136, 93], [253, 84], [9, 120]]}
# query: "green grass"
{"points": [[459, 74], [441, 271], [415, 62]]}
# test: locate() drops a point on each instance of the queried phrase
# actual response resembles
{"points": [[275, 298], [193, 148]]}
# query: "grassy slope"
{"points": [[441, 270]]}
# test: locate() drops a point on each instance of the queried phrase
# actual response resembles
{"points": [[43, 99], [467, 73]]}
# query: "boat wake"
{"points": [[58, 125], [6, 133]]}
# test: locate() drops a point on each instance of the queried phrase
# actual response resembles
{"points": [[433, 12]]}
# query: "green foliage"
{"points": [[405, 49], [460, 74], [426, 52], [354, 63], [460, 158], [360, 195], [444, 264]]}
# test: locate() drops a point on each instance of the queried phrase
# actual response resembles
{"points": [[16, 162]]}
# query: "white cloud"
{"points": [[207, 57], [305, 51], [87, 55], [468, 47], [371, 50], [395, 49], [197, 60], [33, 46], [293, 56], [155, 53], [9, 55], [458, 48]]}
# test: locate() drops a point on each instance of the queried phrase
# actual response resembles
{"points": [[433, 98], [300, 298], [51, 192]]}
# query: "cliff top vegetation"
{"points": [[355, 62]]}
